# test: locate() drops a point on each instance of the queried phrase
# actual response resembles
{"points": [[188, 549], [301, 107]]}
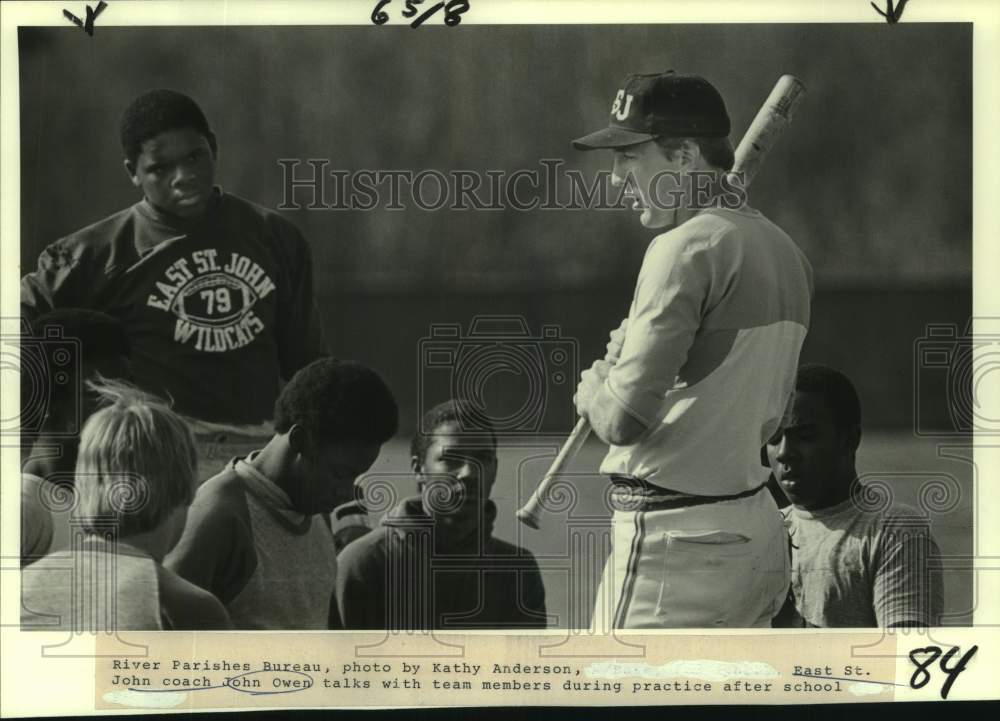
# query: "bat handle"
{"points": [[532, 510]]}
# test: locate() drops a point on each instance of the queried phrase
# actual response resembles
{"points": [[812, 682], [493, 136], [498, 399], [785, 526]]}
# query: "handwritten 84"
{"points": [[924, 658]]}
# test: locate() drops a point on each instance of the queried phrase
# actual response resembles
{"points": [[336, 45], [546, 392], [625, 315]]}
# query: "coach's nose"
{"points": [[617, 172]]}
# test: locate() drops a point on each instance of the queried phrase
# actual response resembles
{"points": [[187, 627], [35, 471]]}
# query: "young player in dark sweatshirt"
{"points": [[434, 563], [214, 292]]}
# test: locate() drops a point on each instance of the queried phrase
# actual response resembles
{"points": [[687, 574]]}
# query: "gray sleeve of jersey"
{"points": [[907, 589]]}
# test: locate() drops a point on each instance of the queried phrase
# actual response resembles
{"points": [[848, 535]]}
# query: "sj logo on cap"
{"points": [[617, 110]]}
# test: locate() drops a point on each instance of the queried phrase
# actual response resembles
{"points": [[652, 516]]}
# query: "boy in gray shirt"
{"points": [[851, 566], [135, 476], [256, 535]]}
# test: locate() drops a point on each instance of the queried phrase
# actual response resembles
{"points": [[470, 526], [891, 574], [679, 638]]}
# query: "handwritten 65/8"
{"points": [[452, 12]]}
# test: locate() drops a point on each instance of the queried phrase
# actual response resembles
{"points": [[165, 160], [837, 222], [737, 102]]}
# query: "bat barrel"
{"points": [[786, 96], [771, 120]]}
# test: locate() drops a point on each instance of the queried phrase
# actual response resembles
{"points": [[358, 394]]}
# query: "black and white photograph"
{"points": [[420, 323]]}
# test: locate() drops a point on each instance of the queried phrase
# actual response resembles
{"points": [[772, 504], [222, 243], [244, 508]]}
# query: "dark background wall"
{"points": [[873, 180]]}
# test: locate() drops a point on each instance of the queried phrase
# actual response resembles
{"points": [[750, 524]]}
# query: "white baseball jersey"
{"points": [[719, 314]]}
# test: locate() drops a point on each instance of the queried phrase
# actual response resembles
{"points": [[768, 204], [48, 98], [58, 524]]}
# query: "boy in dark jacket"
{"points": [[434, 563]]}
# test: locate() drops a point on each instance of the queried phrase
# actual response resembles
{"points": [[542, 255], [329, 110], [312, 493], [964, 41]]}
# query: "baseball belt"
{"points": [[631, 494]]}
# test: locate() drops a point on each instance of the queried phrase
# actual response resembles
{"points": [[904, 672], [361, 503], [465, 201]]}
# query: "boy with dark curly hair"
{"points": [[256, 535]]}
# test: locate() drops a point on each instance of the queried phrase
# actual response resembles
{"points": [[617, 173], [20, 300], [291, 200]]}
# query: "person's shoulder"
{"points": [[37, 527], [218, 518], [364, 560], [902, 516], [499, 547], [233, 203], [364, 551], [875, 509], [173, 588], [715, 223], [30, 481], [747, 230], [704, 232], [91, 240], [226, 482], [98, 231], [36, 496], [346, 535], [814, 524], [221, 495], [187, 606], [903, 511], [247, 211], [879, 524]]}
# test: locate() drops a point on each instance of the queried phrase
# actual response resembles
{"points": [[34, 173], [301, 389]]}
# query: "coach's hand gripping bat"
{"points": [[770, 122]]}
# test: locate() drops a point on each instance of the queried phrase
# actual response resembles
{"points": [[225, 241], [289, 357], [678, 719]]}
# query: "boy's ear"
{"points": [[688, 152], [213, 143], [418, 470], [297, 438], [130, 170]]}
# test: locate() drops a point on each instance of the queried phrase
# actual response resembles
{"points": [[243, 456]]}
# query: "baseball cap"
{"points": [[661, 104]]}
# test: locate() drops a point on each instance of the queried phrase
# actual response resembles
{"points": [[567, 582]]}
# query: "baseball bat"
{"points": [[771, 120]]}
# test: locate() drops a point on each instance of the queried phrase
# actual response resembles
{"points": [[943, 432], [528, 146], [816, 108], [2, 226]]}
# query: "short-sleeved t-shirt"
{"points": [[144, 596], [856, 569]]}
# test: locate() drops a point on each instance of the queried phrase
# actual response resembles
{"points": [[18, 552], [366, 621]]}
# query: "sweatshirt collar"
{"points": [[175, 223], [271, 496], [409, 517]]}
